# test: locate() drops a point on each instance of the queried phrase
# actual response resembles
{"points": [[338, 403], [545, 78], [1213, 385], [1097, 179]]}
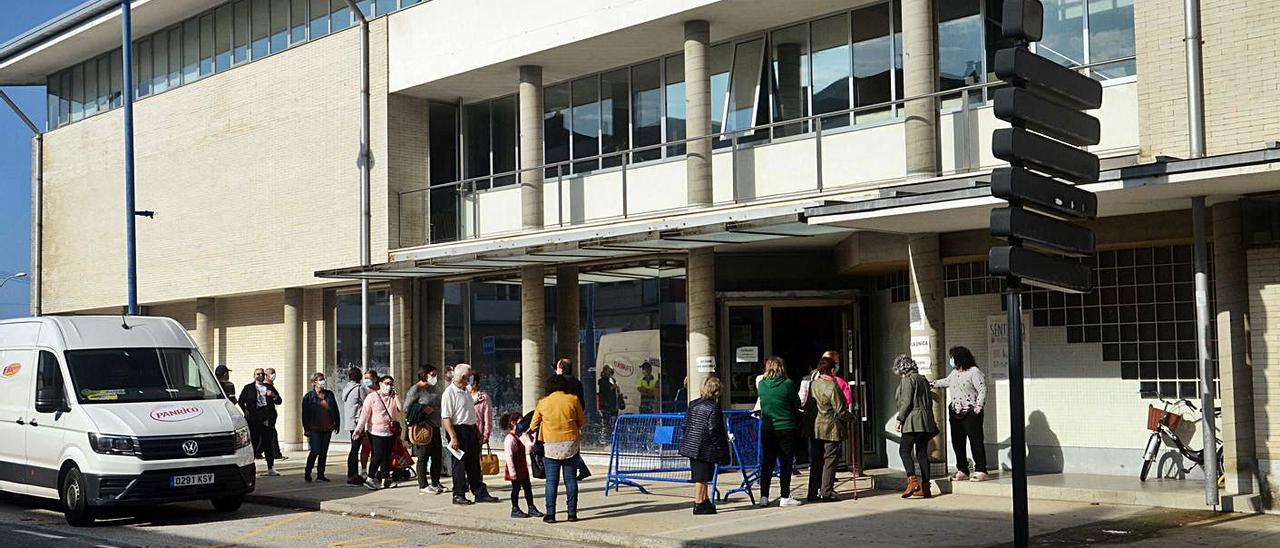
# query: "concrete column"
{"points": [[920, 77], [697, 104], [204, 328], [567, 324], [701, 309], [290, 374], [1234, 368], [433, 324], [533, 334], [531, 144], [928, 344], [401, 332]]}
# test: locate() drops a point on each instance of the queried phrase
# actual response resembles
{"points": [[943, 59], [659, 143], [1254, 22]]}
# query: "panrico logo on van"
{"points": [[11, 370], [176, 414]]}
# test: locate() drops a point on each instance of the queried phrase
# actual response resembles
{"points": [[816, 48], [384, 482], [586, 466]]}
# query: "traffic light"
{"points": [[1044, 105]]}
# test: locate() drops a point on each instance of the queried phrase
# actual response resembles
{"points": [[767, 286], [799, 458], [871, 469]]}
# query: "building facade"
{"points": [[692, 184]]}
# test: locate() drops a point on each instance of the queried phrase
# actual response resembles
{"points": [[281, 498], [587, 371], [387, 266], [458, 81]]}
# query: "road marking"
{"points": [[37, 534], [374, 525], [270, 526]]}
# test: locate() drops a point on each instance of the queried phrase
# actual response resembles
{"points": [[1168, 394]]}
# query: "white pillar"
{"points": [[290, 372], [700, 272], [697, 104], [920, 77], [567, 322], [531, 139], [927, 325], [204, 328], [533, 331]]}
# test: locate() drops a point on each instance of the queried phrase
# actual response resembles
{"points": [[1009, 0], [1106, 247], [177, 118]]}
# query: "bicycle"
{"points": [[1164, 424]]}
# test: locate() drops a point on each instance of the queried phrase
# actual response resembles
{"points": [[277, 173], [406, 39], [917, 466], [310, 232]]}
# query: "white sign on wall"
{"points": [[922, 353], [998, 346], [747, 354], [706, 364]]}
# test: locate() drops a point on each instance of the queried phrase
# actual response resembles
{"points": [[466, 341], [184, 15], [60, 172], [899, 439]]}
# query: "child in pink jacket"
{"points": [[517, 465]]}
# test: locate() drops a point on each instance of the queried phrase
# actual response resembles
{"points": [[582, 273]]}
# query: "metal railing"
{"points": [[813, 126]]}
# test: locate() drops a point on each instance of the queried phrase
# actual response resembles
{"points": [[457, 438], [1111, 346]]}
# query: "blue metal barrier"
{"points": [[646, 448]]}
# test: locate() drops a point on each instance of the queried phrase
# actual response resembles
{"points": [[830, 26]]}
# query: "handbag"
{"points": [[488, 462], [421, 434], [396, 429], [537, 461]]}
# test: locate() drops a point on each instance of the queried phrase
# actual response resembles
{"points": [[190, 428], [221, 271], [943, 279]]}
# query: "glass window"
{"points": [[206, 45], [831, 68], [675, 103], [241, 34], [319, 18], [53, 88], [1111, 37], [341, 15], [790, 73], [222, 39], [646, 114], [1063, 40], [615, 98], [586, 122], [366, 7], [190, 50], [175, 57], [298, 22], [385, 6], [90, 97], [721, 62], [104, 83], [117, 78], [77, 93], [64, 100], [160, 60], [347, 319], [872, 55], [477, 139], [260, 22], [744, 86], [130, 375], [142, 60], [442, 148], [897, 51], [555, 123], [960, 46], [279, 25], [505, 138], [407, 3]]}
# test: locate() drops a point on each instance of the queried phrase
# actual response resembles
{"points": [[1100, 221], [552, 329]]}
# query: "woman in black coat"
{"points": [[705, 443]]}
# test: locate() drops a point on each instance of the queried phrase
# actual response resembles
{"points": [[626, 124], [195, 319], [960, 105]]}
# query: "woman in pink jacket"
{"points": [[380, 417], [484, 409]]}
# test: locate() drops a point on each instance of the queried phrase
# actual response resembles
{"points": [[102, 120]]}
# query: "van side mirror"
{"points": [[51, 399]]}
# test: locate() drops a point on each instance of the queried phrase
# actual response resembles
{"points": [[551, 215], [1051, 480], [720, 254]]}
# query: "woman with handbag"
{"points": [[422, 412], [380, 418], [559, 420], [321, 419], [705, 443], [968, 388]]}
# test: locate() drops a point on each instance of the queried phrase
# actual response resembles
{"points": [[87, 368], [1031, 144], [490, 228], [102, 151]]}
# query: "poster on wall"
{"points": [[998, 346]]}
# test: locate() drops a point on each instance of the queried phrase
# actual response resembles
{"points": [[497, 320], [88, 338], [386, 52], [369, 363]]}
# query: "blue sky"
{"points": [[15, 156]]}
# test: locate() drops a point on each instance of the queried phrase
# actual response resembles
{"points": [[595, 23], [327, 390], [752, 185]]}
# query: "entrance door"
{"points": [[802, 333]]}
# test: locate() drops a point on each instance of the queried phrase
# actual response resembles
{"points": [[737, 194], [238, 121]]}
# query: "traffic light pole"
{"points": [[1018, 425]]}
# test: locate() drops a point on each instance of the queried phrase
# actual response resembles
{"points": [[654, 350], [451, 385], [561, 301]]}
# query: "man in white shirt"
{"points": [[458, 416]]}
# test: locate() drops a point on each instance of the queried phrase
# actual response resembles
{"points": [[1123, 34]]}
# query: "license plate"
{"points": [[191, 479]]}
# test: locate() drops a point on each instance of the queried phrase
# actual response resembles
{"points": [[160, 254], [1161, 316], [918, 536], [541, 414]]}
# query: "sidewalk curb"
{"points": [[527, 528]]}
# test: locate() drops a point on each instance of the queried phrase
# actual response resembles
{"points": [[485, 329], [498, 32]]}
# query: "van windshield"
{"points": [[124, 375]]}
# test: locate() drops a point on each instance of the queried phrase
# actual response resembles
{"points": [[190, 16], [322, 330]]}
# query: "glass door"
{"points": [[746, 349]]}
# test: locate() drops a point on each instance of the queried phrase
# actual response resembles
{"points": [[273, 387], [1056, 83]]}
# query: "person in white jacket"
{"points": [[968, 387]]}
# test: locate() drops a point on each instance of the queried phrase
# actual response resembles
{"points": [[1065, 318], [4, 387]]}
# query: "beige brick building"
{"points": [[621, 120]]}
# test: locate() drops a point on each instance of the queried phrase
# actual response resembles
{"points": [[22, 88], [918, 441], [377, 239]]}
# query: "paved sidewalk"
{"points": [[664, 518]]}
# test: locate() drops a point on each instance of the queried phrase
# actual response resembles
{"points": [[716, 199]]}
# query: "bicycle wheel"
{"points": [[1149, 456], [1146, 468]]}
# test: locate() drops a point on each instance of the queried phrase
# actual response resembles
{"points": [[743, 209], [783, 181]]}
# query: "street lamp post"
{"points": [[17, 276]]}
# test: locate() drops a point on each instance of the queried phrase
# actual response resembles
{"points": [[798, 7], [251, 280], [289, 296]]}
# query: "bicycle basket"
{"points": [[1157, 416]]}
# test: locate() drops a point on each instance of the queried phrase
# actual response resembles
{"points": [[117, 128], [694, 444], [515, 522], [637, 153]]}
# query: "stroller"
{"points": [[401, 459]]}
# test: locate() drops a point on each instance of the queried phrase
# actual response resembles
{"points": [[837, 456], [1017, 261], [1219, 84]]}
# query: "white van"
{"points": [[113, 411]]}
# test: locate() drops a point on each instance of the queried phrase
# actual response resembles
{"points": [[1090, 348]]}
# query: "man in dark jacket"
{"points": [[259, 400], [224, 380], [320, 420]]}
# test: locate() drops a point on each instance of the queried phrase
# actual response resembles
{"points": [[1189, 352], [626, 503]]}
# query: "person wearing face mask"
{"points": [[275, 446], [353, 395], [484, 408], [370, 383], [422, 408], [458, 416], [320, 421], [258, 400], [968, 388], [380, 417]]}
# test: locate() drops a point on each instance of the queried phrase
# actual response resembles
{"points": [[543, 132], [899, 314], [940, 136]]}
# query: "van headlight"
{"points": [[242, 437], [113, 445]]}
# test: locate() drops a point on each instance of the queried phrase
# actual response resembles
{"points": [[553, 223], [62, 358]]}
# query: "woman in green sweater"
{"points": [[779, 428]]}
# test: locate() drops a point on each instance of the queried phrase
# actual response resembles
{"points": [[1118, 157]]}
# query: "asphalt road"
{"points": [[32, 522]]}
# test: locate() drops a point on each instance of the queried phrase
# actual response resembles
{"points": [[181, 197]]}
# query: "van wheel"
{"points": [[228, 504], [75, 501]]}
